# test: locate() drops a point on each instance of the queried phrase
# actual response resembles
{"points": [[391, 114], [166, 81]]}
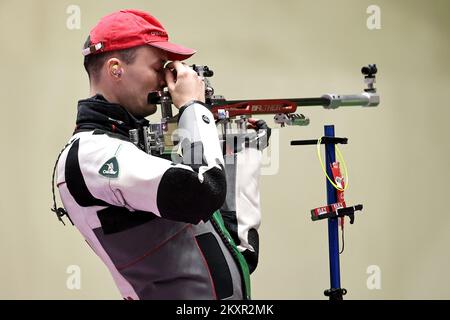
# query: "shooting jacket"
{"points": [[155, 223]]}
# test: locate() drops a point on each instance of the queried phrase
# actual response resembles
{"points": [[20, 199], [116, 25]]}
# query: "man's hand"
{"points": [[184, 84]]}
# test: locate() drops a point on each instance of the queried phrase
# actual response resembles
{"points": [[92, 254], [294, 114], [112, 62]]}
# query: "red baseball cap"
{"points": [[131, 28]]}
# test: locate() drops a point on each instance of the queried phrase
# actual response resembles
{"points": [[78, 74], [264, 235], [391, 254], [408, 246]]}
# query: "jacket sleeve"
{"points": [[122, 175], [242, 211]]}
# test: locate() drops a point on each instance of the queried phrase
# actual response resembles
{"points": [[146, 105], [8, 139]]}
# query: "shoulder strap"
{"points": [[60, 212]]}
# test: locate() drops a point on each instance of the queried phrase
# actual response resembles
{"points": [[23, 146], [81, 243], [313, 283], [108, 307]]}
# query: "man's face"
{"points": [[144, 75]]}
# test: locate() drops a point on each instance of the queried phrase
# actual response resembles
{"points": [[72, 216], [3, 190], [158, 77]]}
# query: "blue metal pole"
{"points": [[333, 223]]}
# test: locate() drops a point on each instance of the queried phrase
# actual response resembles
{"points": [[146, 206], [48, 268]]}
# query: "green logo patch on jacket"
{"points": [[110, 169]]}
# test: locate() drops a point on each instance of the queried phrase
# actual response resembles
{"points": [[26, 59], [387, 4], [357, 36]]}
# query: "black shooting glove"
{"points": [[263, 131]]}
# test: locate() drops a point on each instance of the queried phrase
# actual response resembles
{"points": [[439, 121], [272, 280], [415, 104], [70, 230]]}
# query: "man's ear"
{"points": [[114, 68]]}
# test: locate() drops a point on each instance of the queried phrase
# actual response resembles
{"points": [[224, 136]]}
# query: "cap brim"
{"points": [[175, 51]]}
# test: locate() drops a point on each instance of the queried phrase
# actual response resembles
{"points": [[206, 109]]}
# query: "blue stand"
{"points": [[335, 293], [329, 140]]}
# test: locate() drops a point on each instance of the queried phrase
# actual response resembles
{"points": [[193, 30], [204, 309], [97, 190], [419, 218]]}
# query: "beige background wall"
{"points": [[398, 155]]}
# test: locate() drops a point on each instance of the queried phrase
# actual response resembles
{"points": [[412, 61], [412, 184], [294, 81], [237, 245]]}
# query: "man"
{"points": [[154, 223]]}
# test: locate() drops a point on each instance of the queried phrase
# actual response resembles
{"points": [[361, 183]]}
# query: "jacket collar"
{"points": [[97, 113]]}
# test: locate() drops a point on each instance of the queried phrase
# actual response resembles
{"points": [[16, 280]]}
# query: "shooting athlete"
{"points": [[156, 224]]}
